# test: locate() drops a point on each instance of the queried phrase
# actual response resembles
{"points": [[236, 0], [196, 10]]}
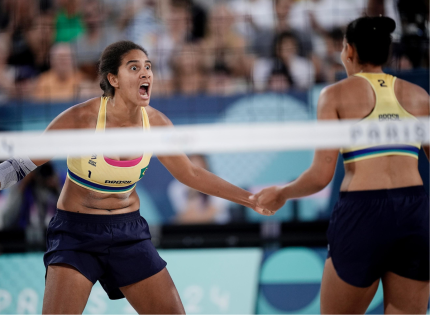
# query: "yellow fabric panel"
{"points": [[387, 107], [96, 170], [386, 100]]}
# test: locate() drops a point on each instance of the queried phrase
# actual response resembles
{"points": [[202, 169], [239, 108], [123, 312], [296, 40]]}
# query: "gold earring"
{"points": [[349, 60]]}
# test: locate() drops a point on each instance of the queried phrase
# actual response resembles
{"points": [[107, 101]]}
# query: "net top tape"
{"points": [[214, 138]]}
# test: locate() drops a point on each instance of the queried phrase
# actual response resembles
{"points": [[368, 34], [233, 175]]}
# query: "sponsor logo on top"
{"points": [[389, 116]]}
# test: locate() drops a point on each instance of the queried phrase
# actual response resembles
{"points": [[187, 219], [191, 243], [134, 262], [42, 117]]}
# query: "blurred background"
{"points": [[214, 61]]}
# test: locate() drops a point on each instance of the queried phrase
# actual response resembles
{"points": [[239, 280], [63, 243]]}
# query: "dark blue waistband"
{"points": [[98, 218], [383, 194]]}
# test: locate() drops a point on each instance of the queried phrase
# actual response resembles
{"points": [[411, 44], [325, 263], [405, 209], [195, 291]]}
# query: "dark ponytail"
{"points": [[110, 62], [371, 37]]}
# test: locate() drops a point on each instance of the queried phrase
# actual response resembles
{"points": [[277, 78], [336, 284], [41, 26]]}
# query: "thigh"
{"points": [[404, 296], [66, 290], [154, 295], [339, 297]]}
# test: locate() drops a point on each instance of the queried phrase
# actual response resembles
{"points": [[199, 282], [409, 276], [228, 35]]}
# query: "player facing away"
{"points": [[98, 233], [379, 228]]}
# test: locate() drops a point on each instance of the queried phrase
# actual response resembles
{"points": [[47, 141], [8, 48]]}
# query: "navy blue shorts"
{"points": [[374, 232], [113, 249]]}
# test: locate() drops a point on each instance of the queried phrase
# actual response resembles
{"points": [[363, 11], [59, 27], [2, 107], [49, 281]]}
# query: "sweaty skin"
{"points": [[67, 290], [124, 111], [353, 98]]}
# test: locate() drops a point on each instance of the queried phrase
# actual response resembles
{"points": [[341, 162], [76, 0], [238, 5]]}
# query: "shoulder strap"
{"points": [[145, 118], [101, 119]]}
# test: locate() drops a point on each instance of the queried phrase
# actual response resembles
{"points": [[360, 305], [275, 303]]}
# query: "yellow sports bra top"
{"points": [[101, 174], [387, 107]]}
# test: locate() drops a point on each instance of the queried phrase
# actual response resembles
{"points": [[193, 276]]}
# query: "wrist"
{"points": [[247, 202], [285, 193]]}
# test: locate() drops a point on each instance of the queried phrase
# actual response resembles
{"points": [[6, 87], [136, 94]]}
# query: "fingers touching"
{"points": [[268, 200]]}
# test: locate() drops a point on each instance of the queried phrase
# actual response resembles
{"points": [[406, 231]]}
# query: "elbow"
{"points": [[322, 182], [319, 186]]}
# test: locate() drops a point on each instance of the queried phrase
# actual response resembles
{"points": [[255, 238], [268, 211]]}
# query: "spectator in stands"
{"points": [[279, 80], [28, 25], [222, 43], [17, 15], [27, 31], [40, 39], [199, 18], [89, 46], [330, 63], [19, 19], [196, 17], [282, 11], [414, 42], [121, 13], [252, 16], [193, 207], [285, 52], [163, 27], [221, 82], [188, 70], [301, 69], [68, 20], [184, 22], [146, 25], [263, 42], [29, 55], [324, 15], [62, 81], [177, 32], [318, 17]]}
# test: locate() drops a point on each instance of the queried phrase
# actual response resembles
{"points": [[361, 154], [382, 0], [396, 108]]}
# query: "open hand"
{"points": [[269, 199]]}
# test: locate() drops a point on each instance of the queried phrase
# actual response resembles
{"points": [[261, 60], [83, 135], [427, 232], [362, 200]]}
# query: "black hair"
{"points": [[110, 61], [371, 37], [279, 38]]}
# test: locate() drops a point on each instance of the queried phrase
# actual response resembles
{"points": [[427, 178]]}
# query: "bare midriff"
{"points": [[386, 172], [77, 199]]}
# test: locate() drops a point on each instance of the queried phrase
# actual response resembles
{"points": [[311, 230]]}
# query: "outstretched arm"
{"points": [[317, 176], [15, 169], [198, 178], [201, 180]]}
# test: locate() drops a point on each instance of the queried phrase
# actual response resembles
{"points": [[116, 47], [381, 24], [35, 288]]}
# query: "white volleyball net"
{"points": [[215, 138]]}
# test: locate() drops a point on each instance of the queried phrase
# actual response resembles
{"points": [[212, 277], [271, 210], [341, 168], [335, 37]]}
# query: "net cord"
{"points": [[214, 138]]}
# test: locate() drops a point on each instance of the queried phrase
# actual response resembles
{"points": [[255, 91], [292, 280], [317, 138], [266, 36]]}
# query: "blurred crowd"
{"points": [[49, 49]]}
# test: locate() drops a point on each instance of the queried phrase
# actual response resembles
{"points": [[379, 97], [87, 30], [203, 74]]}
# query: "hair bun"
{"points": [[386, 24], [382, 25], [371, 37]]}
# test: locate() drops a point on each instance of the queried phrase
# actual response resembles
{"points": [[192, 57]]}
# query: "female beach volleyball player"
{"points": [[379, 228], [98, 233]]}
